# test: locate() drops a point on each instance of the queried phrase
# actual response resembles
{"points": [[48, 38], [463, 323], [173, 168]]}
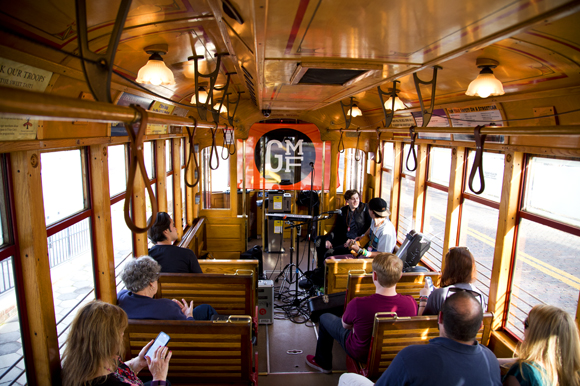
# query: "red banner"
{"points": [[285, 156]]}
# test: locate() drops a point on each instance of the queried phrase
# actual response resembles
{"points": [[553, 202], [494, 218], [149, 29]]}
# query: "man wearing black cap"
{"points": [[382, 234]]}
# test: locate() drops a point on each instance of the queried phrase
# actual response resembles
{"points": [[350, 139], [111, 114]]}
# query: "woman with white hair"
{"points": [[140, 277]]}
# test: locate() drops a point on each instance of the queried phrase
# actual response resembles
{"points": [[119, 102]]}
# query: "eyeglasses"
{"points": [[526, 324], [475, 294]]}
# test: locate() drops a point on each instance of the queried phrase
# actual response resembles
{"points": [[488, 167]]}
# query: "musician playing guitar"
{"points": [[381, 236]]}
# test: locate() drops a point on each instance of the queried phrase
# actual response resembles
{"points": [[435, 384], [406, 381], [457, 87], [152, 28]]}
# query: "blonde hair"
{"points": [[95, 339], [389, 269], [552, 342]]}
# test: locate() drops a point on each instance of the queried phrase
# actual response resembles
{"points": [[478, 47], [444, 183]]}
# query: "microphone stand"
{"points": [[311, 223]]}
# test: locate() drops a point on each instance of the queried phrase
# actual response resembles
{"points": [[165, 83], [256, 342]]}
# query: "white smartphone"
{"points": [[161, 340], [430, 283]]}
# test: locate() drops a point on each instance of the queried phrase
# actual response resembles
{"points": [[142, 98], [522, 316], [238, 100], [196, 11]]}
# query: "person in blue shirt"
{"points": [[140, 277], [454, 358]]}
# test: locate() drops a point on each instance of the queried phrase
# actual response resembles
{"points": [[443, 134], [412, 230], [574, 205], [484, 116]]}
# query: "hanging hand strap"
{"points": [[478, 162], [341, 143], [228, 146], [379, 148], [357, 158], [413, 136], [214, 149], [137, 160], [192, 154]]}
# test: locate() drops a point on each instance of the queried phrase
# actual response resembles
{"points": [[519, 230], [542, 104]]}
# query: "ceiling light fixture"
{"points": [[486, 84], [155, 72], [223, 109], [354, 111], [202, 93], [399, 105]]}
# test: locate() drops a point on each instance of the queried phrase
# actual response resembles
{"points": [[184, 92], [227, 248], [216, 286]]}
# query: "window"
{"points": [[493, 165], [117, 169], [62, 185], [122, 236], [69, 239], [351, 167], [215, 183], [169, 170], [406, 198], [436, 204], [546, 268], [387, 172], [12, 369]]}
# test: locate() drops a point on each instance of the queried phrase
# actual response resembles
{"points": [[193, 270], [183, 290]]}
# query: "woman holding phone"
{"points": [[98, 329]]}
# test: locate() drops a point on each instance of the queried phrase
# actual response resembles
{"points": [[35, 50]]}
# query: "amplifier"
{"points": [[265, 301]]}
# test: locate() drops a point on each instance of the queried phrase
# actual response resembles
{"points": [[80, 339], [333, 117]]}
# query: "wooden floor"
{"points": [[283, 345]]}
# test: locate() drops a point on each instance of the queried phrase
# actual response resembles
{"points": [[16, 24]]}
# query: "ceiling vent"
{"points": [[335, 74]]}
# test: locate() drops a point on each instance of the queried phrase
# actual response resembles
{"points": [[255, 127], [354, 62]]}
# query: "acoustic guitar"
{"points": [[362, 243]]}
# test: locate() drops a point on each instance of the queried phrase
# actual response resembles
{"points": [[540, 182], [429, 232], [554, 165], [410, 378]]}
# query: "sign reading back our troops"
{"points": [[18, 75]]}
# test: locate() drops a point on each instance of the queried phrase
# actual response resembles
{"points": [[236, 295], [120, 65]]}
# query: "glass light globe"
{"points": [[202, 97], [355, 111], [399, 105], [484, 85], [155, 72]]}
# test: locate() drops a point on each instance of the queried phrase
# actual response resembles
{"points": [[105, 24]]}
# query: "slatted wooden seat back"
{"points": [[216, 353], [219, 266], [229, 294], [392, 334], [336, 272], [410, 284]]}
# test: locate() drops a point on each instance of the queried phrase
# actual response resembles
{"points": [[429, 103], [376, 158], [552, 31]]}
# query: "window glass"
{"points": [[216, 183], [493, 165], [546, 271], [412, 161], [183, 198], [355, 167], [148, 209], [386, 186], [11, 354], [62, 184], [170, 209], [71, 272], [148, 158], [340, 179], [4, 209], [122, 240], [117, 170], [406, 208], [439, 165], [552, 189], [388, 155], [478, 232], [434, 225], [168, 158], [182, 156]]}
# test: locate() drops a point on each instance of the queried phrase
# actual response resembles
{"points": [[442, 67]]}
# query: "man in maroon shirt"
{"points": [[355, 329]]}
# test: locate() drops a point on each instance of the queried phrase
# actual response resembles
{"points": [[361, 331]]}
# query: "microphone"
{"points": [[311, 165], [337, 211]]}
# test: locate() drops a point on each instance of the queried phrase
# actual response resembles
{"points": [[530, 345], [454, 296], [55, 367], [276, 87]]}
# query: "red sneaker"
{"points": [[312, 363]]}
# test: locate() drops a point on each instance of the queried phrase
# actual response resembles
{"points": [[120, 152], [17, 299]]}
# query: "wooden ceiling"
{"points": [[536, 42]]}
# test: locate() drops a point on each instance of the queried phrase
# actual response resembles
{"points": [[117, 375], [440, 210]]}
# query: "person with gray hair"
{"points": [[140, 277]]}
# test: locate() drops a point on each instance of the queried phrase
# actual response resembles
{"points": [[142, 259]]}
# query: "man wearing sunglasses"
{"points": [[455, 357]]}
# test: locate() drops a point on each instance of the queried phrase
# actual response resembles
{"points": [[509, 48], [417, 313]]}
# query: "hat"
{"points": [[378, 205]]}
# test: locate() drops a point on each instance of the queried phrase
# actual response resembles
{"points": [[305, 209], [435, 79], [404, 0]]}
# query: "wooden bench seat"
{"points": [[336, 272], [240, 267], [392, 334], [216, 353], [229, 294], [410, 284]]}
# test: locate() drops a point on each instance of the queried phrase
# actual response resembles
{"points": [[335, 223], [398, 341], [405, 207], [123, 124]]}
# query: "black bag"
{"points": [[333, 303], [255, 253]]}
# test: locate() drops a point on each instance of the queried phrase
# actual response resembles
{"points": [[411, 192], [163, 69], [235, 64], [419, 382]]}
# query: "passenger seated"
{"points": [[92, 354], [454, 358], [173, 259], [355, 329], [550, 352], [140, 277], [382, 235], [459, 272], [353, 222]]}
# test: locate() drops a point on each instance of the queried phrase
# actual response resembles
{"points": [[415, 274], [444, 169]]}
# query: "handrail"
{"points": [[49, 107], [489, 130], [191, 233]]}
